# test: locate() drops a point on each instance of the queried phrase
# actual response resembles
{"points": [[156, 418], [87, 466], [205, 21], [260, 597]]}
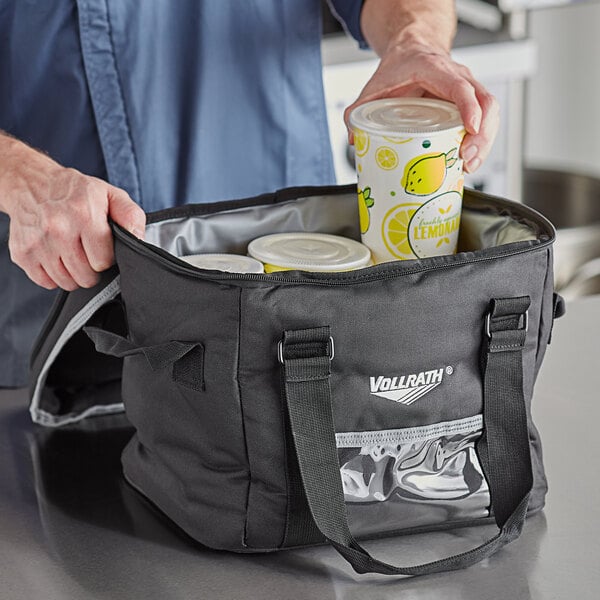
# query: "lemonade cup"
{"points": [[410, 177], [303, 251], [229, 263]]}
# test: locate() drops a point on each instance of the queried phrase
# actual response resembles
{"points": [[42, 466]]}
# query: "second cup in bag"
{"points": [[410, 177]]}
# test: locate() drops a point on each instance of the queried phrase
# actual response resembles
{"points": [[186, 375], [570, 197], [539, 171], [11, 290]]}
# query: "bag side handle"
{"points": [[306, 355], [187, 358], [559, 309]]}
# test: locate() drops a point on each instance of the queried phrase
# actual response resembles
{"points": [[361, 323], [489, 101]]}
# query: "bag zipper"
{"points": [[53, 315], [375, 273], [176, 265]]}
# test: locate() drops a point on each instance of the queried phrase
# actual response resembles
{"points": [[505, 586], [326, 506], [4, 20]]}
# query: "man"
{"points": [[178, 102]]}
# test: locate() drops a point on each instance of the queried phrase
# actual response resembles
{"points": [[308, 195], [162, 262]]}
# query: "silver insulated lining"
{"points": [[232, 230]]}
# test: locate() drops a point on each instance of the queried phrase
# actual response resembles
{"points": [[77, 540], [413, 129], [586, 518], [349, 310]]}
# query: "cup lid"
{"points": [[310, 251], [231, 263], [406, 115]]}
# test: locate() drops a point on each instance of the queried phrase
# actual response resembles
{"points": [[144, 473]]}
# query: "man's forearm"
{"points": [[17, 158], [59, 230], [413, 39], [388, 23], [8, 146]]}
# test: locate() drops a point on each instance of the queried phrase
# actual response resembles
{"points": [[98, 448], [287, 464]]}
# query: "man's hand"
{"points": [[413, 39], [59, 232]]}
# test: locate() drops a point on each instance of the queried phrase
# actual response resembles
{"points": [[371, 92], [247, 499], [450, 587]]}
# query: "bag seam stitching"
{"points": [[243, 422]]}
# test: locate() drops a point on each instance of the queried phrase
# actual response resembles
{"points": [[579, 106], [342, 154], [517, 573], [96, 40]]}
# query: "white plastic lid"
{"points": [[406, 115], [310, 251], [231, 263]]}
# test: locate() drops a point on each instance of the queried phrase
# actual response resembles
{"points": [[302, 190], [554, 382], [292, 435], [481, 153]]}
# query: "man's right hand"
{"points": [[59, 233]]}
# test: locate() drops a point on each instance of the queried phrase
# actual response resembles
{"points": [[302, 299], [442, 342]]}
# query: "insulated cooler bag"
{"points": [[295, 408]]}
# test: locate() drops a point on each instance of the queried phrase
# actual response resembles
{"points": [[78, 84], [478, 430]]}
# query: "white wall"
{"points": [[562, 117]]}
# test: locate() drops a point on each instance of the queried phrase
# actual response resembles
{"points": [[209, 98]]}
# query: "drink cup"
{"points": [[410, 177], [230, 263], [318, 252]]}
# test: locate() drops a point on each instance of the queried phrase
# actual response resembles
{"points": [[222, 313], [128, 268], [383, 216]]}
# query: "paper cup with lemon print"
{"points": [[409, 176]]}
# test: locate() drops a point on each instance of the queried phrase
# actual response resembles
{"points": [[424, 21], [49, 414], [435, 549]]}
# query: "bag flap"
{"points": [[69, 380]]}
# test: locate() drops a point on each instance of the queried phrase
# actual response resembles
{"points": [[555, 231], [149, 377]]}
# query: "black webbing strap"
{"points": [[300, 526], [187, 358], [306, 355], [504, 444], [158, 356]]}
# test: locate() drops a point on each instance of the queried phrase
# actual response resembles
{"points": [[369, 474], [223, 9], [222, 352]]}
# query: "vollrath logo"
{"points": [[406, 389]]}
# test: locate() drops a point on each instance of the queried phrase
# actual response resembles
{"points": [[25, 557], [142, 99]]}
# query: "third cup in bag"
{"points": [[410, 177]]}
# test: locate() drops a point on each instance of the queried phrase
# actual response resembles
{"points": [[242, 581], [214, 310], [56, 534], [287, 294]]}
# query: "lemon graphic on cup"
{"points": [[386, 158], [361, 142], [394, 229], [397, 140], [365, 202], [425, 174]]}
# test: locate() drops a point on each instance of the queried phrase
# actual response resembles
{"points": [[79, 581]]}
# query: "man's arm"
{"points": [[413, 39], [59, 232]]}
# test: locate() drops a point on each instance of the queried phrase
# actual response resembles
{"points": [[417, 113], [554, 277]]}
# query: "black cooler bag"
{"points": [[294, 408]]}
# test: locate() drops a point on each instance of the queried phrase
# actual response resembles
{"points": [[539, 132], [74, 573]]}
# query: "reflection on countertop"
{"points": [[80, 531]]}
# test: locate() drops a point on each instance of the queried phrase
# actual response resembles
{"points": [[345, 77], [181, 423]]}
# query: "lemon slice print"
{"points": [[394, 230], [397, 140], [461, 135], [361, 142], [386, 158], [459, 185]]}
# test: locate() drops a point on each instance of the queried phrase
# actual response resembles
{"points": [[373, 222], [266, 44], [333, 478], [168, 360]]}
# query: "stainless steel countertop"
{"points": [[70, 528]]}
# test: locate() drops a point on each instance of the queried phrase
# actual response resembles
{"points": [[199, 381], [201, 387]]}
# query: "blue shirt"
{"points": [[175, 101]]}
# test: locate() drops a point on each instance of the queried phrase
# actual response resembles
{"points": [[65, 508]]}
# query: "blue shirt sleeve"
{"points": [[348, 13]]}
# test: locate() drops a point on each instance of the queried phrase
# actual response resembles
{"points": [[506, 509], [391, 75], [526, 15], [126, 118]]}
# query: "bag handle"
{"points": [[503, 447], [187, 358]]}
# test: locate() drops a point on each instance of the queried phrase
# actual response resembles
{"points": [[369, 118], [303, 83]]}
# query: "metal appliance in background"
{"points": [[572, 202]]}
